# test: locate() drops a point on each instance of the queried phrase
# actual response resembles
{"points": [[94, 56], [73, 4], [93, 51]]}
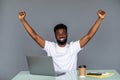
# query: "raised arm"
{"points": [[84, 40], [31, 31]]}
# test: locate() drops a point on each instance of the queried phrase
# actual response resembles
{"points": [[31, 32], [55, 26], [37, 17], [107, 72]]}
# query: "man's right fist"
{"points": [[21, 15]]}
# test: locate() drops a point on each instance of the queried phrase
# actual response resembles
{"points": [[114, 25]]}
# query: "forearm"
{"points": [[84, 40], [28, 28], [94, 28], [31, 31]]}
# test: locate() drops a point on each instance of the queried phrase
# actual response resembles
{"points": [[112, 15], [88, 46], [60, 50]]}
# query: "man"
{"points": [[64, 54]]}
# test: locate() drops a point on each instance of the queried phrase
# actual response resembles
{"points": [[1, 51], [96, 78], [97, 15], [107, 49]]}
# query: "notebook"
{"points": [[42, 65]]}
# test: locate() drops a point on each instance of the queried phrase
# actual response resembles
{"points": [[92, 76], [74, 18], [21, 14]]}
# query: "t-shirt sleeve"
{"points": [[76, 46], [48, 46]]}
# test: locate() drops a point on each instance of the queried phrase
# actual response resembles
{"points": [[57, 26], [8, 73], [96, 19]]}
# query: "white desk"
{"points": [[73, 75]]}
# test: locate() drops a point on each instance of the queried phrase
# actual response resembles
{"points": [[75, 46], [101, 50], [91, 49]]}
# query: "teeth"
{"points": [[62, 39]]}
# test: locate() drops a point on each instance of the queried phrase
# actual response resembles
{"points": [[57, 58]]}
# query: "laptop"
{"points": [[42, 65]]}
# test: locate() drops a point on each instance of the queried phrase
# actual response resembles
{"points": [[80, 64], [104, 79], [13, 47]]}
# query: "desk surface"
{"points": [[72, 75]]}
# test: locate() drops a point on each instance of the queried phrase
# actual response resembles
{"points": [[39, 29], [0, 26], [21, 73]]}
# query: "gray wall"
{"points": [[102, 52]]}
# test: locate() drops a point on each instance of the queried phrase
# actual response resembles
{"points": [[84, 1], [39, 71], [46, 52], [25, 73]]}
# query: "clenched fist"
{"points": [[101, 14], [22, 15]]}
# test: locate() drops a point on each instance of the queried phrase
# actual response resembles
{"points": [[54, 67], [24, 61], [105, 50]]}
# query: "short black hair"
{"points": [[60, 26]]}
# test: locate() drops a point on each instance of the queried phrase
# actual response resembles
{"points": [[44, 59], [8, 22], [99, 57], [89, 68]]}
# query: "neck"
{"points": [[63, 45]]}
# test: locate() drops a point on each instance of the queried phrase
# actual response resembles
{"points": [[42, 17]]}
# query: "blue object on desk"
{"points": [[72, 75]]}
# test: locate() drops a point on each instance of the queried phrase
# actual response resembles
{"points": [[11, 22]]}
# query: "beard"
{"points": [[62, 42]]}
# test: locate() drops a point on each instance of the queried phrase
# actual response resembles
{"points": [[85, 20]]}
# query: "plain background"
{"points": [[102, 52]]}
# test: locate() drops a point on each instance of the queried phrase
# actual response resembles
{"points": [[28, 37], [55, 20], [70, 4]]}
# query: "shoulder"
{"points": [[49, 44], [75, 44]]}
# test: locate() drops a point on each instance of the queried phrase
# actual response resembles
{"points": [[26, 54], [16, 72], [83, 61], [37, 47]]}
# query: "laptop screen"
{"points": [[41, 65]]}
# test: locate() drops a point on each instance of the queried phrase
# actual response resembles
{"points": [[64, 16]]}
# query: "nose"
{"points": [[61, 35]]}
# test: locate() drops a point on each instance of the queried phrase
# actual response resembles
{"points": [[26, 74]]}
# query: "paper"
{"points": [[103, 75]]}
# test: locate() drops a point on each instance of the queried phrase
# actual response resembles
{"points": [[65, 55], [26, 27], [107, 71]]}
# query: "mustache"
{"points": [[61, 37]]}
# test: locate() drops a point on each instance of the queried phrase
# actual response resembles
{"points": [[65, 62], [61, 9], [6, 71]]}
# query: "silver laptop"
{"points": [[42, 65]]}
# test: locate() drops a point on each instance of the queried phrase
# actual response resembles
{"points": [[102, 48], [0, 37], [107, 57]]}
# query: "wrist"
{"points": [[100, 18], [22, 19]]}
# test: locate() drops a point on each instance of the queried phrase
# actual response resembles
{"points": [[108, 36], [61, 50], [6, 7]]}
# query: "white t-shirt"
{"points": [[64, 58]]}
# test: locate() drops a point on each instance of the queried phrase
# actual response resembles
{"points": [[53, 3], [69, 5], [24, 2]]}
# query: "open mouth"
{"points": [[62, 39]]}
